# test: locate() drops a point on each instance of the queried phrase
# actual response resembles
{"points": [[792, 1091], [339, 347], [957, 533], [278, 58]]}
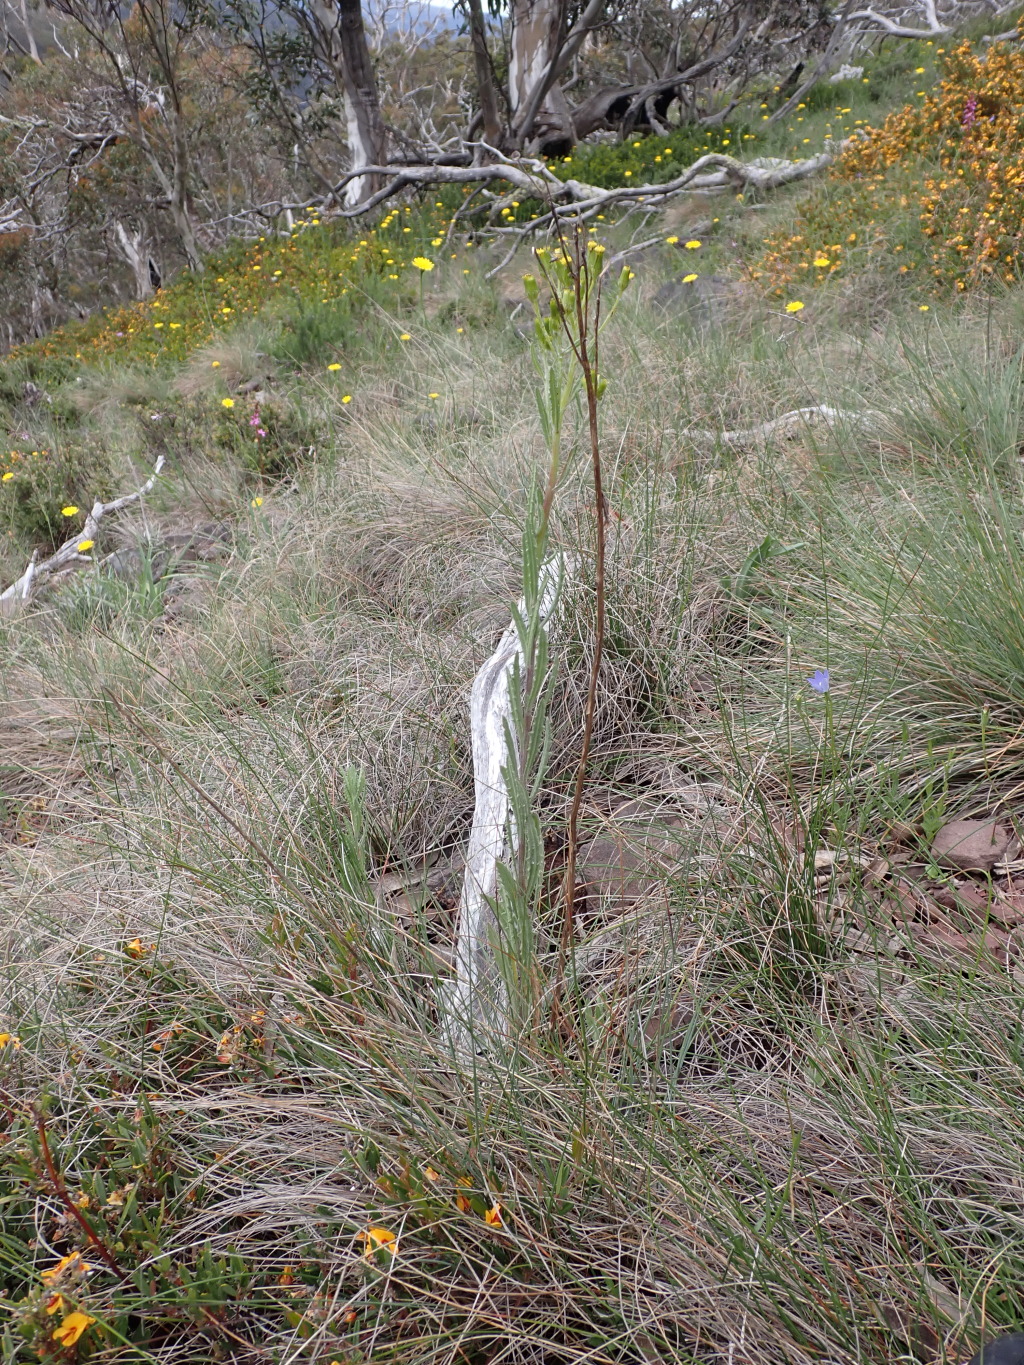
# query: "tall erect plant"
{"points": [[507, 965]]}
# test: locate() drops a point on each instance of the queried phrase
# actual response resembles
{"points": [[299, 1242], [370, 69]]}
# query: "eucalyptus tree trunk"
{"points": [[181, 210], [486, 91], [134, 248], [538, 36], [344, 39], [29, 34], [543, 45]]}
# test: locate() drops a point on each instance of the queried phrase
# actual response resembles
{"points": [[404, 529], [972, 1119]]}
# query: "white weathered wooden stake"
{"points": [[477, 1003]]}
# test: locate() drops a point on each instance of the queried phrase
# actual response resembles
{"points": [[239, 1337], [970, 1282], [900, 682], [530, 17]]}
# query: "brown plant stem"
{"points": [[588, 359], [585, 346], [61, 1190]]}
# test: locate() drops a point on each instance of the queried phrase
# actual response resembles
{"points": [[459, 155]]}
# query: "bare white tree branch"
{"points": [[68, 556], [926, 18], [787, 426], [574, 198]]}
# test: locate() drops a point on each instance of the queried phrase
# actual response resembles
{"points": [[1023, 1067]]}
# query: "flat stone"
{"points": [[631, 861], [124, 564], [973, 845], [1005, 1350], [668, 1025]]}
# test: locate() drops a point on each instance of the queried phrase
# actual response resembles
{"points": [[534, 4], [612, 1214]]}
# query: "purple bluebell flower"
{"points": [[819, 681]]}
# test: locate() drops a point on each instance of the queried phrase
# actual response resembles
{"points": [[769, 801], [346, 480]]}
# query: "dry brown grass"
{"points": [[748, 1139]]}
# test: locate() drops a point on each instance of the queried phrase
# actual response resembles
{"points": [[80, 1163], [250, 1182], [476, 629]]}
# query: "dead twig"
{"points": [[61, 1191]]}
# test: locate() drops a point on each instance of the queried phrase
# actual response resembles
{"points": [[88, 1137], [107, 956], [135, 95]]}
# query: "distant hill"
{"points": [[395, 17]]}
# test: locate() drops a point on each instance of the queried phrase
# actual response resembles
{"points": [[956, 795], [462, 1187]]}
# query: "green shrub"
{"points": [[116, 1186], [37, 483], [266, 438], [99, 598], [314, 332], [651, 159]]}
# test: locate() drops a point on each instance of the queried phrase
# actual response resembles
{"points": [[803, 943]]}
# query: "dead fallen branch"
{"points": [[68, 556], [921, 19], [576, 198], [785, 426], [477, 1003]]}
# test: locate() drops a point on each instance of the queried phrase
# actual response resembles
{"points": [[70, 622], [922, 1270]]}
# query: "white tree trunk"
{"points": [[29, 34], [342, 37], [136, 253], [361, 151], [535, 44]]}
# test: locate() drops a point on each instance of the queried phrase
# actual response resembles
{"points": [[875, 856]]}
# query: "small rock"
{"points": [[631, 861], [184, 600], [970, 902], [973, 845], [124, 564], [1007, 1350], [667, 1025]]}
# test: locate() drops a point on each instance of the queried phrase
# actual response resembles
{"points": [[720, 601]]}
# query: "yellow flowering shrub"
{"points": [[314, 265], [938, 187], [972, 129]]}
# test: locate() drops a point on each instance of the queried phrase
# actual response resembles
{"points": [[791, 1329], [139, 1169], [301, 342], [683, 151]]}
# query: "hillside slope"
{"points": [[763, 1099]]}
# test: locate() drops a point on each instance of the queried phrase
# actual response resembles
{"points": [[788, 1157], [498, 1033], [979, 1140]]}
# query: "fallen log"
{"points": [[787, 425], [576, 198]]}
